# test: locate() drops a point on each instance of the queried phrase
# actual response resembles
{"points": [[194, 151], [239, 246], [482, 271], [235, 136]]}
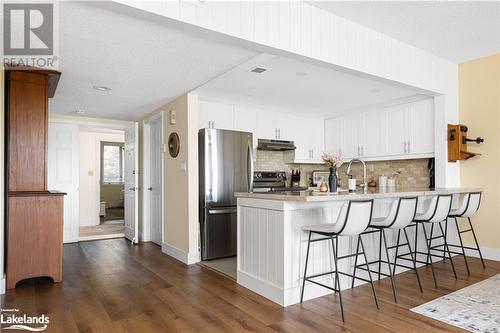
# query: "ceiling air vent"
{"points": [[258, 70]]}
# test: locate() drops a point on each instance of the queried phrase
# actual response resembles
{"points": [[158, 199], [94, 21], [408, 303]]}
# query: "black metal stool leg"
{"points": [[382, 236], [429, 244], [475, 240], [337, 281], [355, 263], [462, 245], [380, 255], [305, 268], [368, 269], [430, 257], [396, 256], [446, 248], [413, 258]]}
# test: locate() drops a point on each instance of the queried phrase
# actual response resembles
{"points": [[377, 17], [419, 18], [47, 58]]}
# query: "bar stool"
{"points": [[437, 212], [468, 207], [401, 214], [353, 219]]}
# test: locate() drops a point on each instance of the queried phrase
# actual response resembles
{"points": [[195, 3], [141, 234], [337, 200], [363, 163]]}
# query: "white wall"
{"points": [[90, 151], [299, 30]]}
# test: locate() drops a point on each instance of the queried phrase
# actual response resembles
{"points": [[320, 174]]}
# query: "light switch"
{"points": [[90, 173], [183, 166], [172, 117]]}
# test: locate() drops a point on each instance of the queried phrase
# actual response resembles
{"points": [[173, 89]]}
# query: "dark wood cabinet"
{"points": [[34, 214], [27, 128]]}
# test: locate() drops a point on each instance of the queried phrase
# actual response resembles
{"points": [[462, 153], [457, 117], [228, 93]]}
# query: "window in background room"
{"points": [[112, 165]]}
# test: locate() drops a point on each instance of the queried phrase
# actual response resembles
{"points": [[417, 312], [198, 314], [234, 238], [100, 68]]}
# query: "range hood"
{"points": [[275, 145]]}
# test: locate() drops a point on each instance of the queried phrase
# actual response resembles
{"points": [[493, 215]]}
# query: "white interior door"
{"points": [[63, 173], [155, 181], [131, 182]]}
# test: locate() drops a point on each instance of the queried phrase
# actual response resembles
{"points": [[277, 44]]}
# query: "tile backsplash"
{"points": [[414, 173]]}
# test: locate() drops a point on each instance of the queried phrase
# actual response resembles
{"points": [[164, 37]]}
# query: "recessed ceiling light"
{"points": [[374, 91], [102, 88], [80, 111], [258, 70], [301, 73]]}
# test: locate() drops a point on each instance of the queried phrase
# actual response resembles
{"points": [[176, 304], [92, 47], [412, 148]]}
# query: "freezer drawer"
{"points": [[218, 233]]}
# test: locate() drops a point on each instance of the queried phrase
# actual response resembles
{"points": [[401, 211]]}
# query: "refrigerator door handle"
{"points": [[222, 211], [250, 165]]}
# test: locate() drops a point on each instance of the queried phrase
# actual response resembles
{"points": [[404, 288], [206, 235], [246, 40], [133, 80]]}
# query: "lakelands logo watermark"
{"points": [[11, 319], [29, 34]]}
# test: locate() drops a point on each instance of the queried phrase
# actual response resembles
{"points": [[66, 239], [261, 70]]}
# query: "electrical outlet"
{"points": [[90, 173]]}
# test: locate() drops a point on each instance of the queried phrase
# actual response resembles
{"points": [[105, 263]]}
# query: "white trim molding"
{"points": [[2, 285], [182, 256]]}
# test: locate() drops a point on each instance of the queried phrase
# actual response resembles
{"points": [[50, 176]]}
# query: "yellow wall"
{"points": [[181, 186], [479, 89]]}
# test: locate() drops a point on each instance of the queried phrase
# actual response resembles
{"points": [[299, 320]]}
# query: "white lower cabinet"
{"points": [[397, 132]]}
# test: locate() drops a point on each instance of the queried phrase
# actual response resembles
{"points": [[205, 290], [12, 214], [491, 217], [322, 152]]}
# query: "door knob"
{"points": [[150, 188], [132, 188]]}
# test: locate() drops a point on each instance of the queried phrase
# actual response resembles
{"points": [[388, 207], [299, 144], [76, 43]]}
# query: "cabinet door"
{"points": [[267, 124], [372, 134], [222, 116], [333, 135], [203, 114], [317, 138], [396, 134], [351, 136], [421, 123], [245, 120], [27, 132]]}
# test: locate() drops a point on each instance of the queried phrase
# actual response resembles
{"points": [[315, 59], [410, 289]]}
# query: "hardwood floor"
{"points": [[110, 286]]}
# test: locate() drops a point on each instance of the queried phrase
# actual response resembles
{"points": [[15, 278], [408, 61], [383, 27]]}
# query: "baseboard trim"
{"points": [[99, 237], [2, 286], [182, 256], [487, 252]]}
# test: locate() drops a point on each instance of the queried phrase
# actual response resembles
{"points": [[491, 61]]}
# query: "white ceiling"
{"points": [[455, 30], [147, 63], [297, 87]]}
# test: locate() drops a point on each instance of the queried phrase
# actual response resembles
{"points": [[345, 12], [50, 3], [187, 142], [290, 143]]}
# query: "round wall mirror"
{"points": [[173, 144]]}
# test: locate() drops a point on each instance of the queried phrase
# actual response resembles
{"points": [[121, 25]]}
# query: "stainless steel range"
{"points": [[272, 181]]}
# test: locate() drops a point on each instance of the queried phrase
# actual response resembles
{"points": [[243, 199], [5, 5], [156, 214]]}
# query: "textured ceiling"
{"points": [[146, 63], [455, 30]]}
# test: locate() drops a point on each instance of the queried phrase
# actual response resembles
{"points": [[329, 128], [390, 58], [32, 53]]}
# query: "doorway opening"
{"points": [[102, 184]]}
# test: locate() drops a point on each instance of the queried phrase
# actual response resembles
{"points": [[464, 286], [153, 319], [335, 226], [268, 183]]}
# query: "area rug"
{"points": [[475, 308]]}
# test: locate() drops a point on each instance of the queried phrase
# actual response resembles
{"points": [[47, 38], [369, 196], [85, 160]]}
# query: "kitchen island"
{"points": [[271, 245]]}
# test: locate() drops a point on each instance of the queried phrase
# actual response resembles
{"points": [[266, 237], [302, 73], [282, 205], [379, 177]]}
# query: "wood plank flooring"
{"points": [[110, 286]]}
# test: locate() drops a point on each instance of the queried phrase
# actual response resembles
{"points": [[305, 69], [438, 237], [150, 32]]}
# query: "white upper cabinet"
{"points": [[245, 119], [421, 127], [308, 135], [351, 136], [267, 124], [397, 132], [373, 141], [333, 136], [397, 129], [215, 115]]}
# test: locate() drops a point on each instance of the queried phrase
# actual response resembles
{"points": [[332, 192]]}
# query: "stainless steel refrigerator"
{"points": [[225, 167]]}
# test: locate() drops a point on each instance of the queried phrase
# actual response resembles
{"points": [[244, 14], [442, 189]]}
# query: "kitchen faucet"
{"points": [[348, 172]]}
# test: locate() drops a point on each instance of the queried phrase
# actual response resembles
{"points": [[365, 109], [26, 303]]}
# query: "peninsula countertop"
{"points": [[370, 193]]}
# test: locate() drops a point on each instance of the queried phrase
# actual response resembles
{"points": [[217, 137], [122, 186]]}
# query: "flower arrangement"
{"points": [[332, 160]]}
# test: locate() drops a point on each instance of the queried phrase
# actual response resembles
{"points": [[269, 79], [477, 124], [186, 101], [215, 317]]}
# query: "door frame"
{"points": [[146, 159]]}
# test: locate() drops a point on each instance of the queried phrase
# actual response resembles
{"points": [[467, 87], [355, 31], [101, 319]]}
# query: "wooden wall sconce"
{"points": [[457, 143]]}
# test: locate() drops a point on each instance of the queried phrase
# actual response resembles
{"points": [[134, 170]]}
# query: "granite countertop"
{"points": [[370, 193]]}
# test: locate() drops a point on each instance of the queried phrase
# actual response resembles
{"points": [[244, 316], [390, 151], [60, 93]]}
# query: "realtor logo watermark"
{"points": [[29, 34], [12, 319]]}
